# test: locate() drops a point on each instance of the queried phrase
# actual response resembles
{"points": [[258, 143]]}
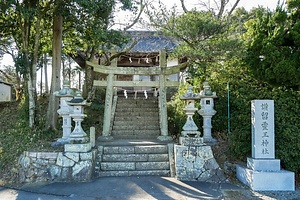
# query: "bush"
{"points": [[243, 89], [17, 137]]}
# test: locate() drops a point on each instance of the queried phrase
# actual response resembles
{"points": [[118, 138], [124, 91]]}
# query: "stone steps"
{"points": [[142, 113], [135, 109], [137, 132], [133, 160], [148, 102], [136, 127], [136, 136], [134, 157], [136, 119], [148, 122], [135, 173]]}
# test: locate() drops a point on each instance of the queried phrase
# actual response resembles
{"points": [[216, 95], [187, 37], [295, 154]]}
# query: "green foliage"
{"points": [[95, 112], [287, 128], [22, 64], [17, 137], [176, 115], [93, 34], [243, 88], [272, 42], [261, 68], [204, 40]]}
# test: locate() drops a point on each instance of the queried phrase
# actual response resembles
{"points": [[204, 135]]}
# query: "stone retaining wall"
{"points": [[197, 163], [56, 166]]}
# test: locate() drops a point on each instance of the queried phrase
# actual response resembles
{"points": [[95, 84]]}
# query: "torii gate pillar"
{"points": [[163, 99]]}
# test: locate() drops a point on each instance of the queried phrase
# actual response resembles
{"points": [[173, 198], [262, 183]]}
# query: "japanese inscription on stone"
{"points": [[262, 117]]}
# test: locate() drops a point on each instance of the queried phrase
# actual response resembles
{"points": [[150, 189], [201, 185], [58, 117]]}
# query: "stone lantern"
{"points": [[78, 104], [190, 128], [66, 94], [207, 111]]}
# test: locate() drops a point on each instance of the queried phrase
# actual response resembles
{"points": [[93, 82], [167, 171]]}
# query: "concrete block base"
{"points": [[105, 138], [266, 180], [165, 138], [78, 147], [263, 164]]}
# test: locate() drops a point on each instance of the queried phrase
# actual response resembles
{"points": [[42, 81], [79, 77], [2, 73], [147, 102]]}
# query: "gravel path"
{"points": [[246, 194]]}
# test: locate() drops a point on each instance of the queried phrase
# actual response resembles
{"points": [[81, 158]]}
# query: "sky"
{"points": [[247, 4]]}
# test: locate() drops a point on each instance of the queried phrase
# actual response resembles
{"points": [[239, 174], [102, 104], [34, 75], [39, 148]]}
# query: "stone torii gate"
{"points": [[162, 71]]}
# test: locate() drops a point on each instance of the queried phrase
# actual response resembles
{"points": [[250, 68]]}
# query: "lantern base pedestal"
{"points": [[210, 140], [191, 141], [86, 147], [61, 142], [78, 138], [188, 133]]}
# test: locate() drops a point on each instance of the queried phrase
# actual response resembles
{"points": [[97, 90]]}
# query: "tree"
{"points": [[86, 27], [272, 41], [56, 64], [91, 37], [206, 37], [23, 22], [94, 35], [218, 7]]}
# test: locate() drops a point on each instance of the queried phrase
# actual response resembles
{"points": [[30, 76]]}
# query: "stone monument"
{"points": [[194, 160], [263, 172], [207, 111]]}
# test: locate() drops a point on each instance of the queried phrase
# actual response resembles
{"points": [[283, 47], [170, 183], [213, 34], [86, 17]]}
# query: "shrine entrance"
{"points": [[146, 86]]}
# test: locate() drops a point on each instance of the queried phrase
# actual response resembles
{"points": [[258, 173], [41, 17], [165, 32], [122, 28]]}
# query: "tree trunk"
{"points": [[88, 75], [31, 101], [46, 74], [88, 83], [63, 69], [32, 77], [41, 82], [56, 71], [79, 82], [70, 70]]}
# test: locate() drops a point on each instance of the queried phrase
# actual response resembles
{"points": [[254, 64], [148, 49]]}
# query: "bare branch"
{"points": [[183, 6], [138, 16], [9, 77], [217, 5], [222, 8], [233, 7], [205, 5], [120, 53]]}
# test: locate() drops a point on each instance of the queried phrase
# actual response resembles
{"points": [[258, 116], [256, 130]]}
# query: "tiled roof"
{"points": [[150, 42]]}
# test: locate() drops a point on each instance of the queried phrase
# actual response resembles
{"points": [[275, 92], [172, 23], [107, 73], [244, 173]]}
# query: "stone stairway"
{"points": [[135, 150], [132, 159], [136, 118]]}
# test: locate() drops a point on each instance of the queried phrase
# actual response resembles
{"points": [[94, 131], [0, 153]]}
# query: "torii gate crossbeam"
{"points": [[162, 71]]}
